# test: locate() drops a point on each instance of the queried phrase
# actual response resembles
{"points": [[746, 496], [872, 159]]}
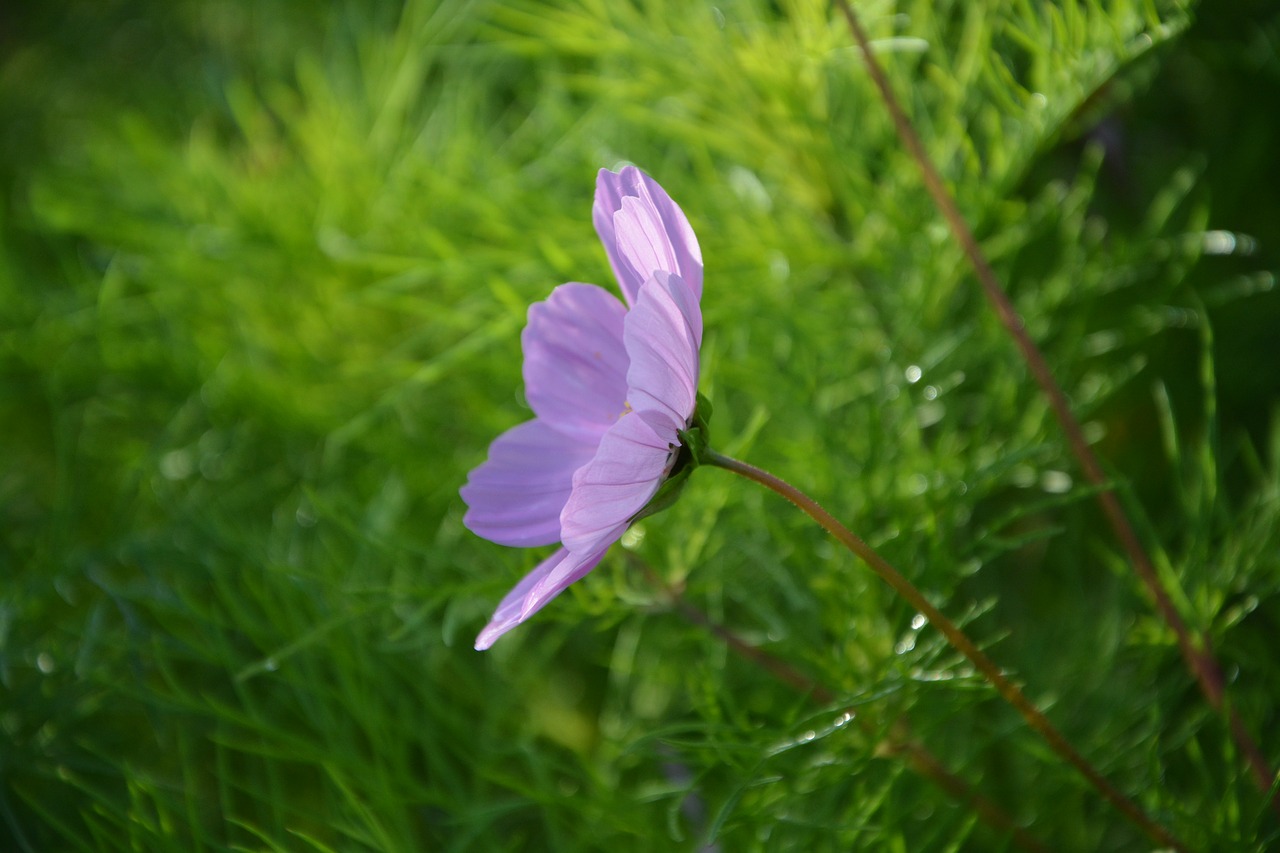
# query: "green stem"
{"points": [[958, 639], [1196, 648]]}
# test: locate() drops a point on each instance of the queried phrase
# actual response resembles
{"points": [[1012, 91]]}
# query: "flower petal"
{"points": [[548, 579], [575, 364], [633, 458], [515, 497], [644, 231], [561, 576], [662, 334]]}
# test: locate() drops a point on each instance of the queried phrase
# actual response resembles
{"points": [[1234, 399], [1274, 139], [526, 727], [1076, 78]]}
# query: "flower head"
{"points": [[611, 386]]}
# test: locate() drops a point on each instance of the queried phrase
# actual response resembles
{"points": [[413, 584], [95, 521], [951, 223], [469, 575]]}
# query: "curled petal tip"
{"points": [[644, 231], [547, 580]]}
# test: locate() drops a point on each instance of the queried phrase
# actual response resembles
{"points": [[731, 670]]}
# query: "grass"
{"points": [[262, 277]]}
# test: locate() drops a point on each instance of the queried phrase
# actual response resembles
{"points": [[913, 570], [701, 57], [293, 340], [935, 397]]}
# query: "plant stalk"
{"points": [[958, 639]]}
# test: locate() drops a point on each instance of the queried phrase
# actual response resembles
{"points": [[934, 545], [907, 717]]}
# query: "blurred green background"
{"points": [[263, 268]]}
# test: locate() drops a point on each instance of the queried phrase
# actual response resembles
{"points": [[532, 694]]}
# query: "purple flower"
{"points": [[610, 385]]}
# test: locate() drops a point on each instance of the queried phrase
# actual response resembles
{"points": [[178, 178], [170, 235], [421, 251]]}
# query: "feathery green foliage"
{"points": [[262, 275]]}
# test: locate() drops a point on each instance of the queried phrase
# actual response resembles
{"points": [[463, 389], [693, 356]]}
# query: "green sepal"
{"points": [[701, 413]]}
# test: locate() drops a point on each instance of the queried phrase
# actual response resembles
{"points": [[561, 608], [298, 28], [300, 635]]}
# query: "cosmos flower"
{"points": [[611, 386]]}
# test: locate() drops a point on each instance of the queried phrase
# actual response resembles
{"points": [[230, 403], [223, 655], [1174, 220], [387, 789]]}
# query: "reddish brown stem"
{"points": [[956, 637], [898, 742], [1195, 648]]}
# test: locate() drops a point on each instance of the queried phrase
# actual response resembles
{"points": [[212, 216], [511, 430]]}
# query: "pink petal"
{"points": [[575, 364], [515, 497], [550, 578], [561, 576], [662, 335], [644, 231], [633, 458]]}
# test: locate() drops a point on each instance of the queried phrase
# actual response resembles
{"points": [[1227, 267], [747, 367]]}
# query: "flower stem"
{"points": [[1196, 649], [958, 639]]}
